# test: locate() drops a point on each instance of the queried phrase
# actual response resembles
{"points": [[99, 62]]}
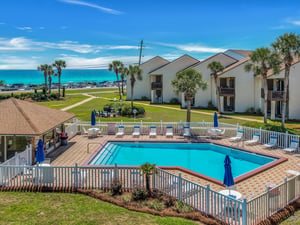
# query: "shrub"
{"points": [[174, 101], [116, 187], [140, 110], [140, 193], [106, 108], [180, 207], [169, 200], [157, 194], [145, 98], [250, 110], [156, 205], [125, 198], [258, 111], [126, 110]]}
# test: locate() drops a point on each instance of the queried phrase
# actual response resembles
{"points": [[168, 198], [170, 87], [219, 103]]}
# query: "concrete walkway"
{"points": [[91, 97]]}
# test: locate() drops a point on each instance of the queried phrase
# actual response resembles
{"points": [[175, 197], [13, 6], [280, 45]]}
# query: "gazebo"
{"points": [[23, 123]]}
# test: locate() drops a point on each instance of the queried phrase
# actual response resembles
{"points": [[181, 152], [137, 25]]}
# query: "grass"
{"points": [[292, 220], [89, 90], [64, 208], [69, 100]]}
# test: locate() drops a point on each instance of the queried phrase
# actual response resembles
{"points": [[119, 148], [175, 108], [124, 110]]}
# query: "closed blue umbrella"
{"points": [[216, 122], [93, 118], [228, 177], [40, 156]]}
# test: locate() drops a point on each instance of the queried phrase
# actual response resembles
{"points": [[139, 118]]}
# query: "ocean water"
{"points": [[37, 77]]}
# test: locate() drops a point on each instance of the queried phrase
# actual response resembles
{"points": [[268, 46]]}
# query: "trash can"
{"points": [[64, 138]]}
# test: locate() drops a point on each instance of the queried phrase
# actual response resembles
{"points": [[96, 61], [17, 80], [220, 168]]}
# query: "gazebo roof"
{"points": [[19, 117]]}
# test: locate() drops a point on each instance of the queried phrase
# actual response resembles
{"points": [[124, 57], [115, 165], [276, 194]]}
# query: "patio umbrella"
{"points": [[93, 118], [228, 178], [216, 122], [40, 156]]}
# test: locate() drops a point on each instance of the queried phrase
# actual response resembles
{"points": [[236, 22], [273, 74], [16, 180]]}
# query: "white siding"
{"points": [[294, 95]]}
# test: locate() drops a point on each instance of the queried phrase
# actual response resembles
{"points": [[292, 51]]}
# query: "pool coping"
{"points": [[191, 172]]}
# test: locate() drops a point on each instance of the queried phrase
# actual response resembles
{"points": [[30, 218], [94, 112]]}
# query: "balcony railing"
{"points": [[273, 95], [226, 91], [156, 85]]}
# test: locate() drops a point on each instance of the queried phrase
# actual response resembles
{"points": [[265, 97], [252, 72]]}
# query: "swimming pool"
{"points": [[204, 158]]}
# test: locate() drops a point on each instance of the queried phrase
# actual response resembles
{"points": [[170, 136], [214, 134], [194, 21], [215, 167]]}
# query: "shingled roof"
{"points": [[19, 117]]}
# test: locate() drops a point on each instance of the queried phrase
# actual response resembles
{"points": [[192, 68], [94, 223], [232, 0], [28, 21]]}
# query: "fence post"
{"points": [[268, 201], [244, 212], [76, 176], [153, 177], [237, 125], [17, 158], [116, 172], [285, 190], [179, 187], [260, 137], [37, 174], [286, 139], [207, 199]]}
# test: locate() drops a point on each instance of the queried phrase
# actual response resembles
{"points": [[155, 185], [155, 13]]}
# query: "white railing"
{"points": [[273, 200], [72, 129], [95, 177], [21, 158]]}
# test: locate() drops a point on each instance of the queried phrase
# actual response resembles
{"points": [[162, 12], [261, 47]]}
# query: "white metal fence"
{"points": [[72, 129], [21, 158]]}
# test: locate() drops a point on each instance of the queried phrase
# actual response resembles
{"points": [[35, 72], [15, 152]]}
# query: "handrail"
{"points": [[92, 143]]}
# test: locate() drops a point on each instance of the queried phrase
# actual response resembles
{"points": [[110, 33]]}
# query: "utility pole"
{"points": [[141, 49]]}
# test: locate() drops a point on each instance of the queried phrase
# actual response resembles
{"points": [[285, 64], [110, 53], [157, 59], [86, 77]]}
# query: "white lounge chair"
{"points": [[238, 136], [152, 131], [293, 146], [293, 172], [186, 131], [84, 131], [169, 131], [222, 133], [272, 143], [120, 132], [136, 131], [255, 140]]}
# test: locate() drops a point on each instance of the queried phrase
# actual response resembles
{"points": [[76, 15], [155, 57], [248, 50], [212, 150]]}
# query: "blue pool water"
{"points": [[204, 158]]}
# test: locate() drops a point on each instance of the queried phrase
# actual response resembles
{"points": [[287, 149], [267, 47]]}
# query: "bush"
{"points": [[210, 105], [250, 110], [157, 194], [126, 110], [174, 101], [140, 110], [139, 193], [156, 205], [116, 187], [258, 111], [169, 200], [270, 127], [145, 98], [180, 207], [125, 198]]}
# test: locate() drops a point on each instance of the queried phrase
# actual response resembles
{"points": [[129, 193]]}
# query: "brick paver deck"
{"points": [[249, 188]]}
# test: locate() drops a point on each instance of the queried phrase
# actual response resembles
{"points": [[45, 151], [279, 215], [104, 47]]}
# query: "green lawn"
{"points": [[69, 100], [64, 208], [89, 90]]}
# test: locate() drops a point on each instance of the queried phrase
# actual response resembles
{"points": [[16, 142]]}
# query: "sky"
{"points": [[92, 33]]}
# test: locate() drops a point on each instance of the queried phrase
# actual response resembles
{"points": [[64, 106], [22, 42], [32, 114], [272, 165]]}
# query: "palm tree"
{"points": [[215, 68], [44, 68], [116, 66], [124, 73], [188, 82], [288, 46], [59, 65], [148, 170], [134, 71], [50, 73], [262, 61], [2, 82]]}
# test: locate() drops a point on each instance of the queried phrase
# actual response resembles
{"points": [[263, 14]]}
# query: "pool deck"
{"points": [[250, 187]]}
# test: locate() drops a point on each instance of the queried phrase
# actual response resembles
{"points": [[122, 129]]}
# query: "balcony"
{"points": [[273, 95], [226, 91], [156, 85]]}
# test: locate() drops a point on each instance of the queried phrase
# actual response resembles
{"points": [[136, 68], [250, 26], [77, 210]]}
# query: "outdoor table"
{"points": [[231, 193], [93, 132]]}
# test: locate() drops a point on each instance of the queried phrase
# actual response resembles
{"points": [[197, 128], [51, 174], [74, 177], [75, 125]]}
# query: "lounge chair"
{"points": [[169, 131], [186, 131], [136, 131], [293, 146], [120, 132], [152, 131], [84, 132], [255, 140], [272, 143], [222, 133], [238, 136], [293, 172]]}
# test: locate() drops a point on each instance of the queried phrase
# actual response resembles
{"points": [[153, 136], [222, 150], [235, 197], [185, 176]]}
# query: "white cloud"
{"points": [[193, 48], [24, 44], [295, 22], [13, 62], [99, 62], [170, 56], [24, 28], [103, 9]]}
